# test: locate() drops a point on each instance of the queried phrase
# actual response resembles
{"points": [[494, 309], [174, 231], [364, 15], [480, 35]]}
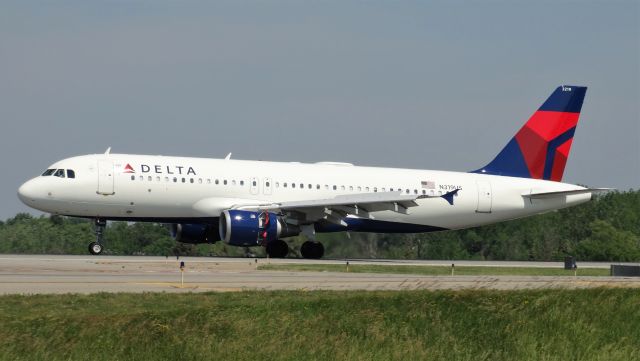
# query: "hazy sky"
{"points": [[418, 84]]}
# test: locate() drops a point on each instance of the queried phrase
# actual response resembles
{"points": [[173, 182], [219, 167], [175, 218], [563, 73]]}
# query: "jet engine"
{"points": [[247, 228], [195, 233]]}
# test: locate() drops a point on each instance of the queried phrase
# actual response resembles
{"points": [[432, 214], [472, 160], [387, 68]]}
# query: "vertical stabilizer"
{"points": [[541, 147]]}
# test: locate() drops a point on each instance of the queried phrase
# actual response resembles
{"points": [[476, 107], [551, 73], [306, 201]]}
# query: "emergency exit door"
{"points": [[105, 177], [266, 186], [484, 196], [254, 185]]}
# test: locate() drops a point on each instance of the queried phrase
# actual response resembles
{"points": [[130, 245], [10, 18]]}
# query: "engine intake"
{"points": [[247, 228]]}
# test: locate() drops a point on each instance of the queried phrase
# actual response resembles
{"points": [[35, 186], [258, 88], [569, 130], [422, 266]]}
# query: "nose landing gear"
{"points": [[97, 247]]}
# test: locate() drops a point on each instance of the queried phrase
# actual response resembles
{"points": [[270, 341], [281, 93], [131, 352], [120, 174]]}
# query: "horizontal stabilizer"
{"points": [[546, 195]]}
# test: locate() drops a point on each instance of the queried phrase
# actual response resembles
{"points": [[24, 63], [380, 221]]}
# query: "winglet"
{"points": [[108, 151], [449, 195], [227, 157]]}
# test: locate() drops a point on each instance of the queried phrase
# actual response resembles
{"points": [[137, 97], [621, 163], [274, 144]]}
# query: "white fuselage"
{"points": [[159, 188]]}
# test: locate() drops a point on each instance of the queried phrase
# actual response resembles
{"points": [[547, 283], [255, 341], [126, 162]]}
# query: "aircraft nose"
{"points": [[28, 192]]}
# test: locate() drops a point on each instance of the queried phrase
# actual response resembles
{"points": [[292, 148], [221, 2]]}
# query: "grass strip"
{"points": [[590, 324], [436, 270]]}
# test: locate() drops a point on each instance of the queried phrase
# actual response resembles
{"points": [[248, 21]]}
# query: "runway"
{"points": [[36, 274]]}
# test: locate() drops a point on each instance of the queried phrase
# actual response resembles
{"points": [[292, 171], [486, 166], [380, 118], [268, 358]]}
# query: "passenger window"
{"points": [[317, 186], [157, 179], [342, 188], [367, 189], [351, 188], [184, 180], [208, 181], [199, 180], [141, 178], [254, 183], [424, 192], [224, 182], [293, 185], [217, 181], [375, 189], [309, 186], [233, 182], [59, 173], [241, 182], [301, 186], [166, 179], [277, 184], [335, 187], [71, 173], [284, 184], [48, 172], [359, 189], [267, 184], [149, 178], [175, 179], [191, 180]]}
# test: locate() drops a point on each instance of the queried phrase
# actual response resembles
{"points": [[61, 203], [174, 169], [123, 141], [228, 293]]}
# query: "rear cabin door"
{"points": [[484, 196], [105, 177]]}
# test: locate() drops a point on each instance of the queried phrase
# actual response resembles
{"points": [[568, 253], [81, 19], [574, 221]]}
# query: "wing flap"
{"points": [[335, 209]]}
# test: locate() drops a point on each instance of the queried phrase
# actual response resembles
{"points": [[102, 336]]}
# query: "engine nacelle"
{"points": [[195, 233], [247, 228]]}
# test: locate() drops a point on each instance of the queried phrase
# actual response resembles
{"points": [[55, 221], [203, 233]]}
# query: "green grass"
{"points": [[437, 270], [592, 324]]}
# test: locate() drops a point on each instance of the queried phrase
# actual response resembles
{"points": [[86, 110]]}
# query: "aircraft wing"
{"points": [[546, 195], [336, 208]]}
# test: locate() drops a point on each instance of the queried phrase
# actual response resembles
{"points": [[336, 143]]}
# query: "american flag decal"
{"points": [[428, 184]]}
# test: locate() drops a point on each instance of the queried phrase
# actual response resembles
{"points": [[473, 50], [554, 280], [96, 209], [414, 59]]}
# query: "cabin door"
{"points": [[105, 177], [484, 196]]}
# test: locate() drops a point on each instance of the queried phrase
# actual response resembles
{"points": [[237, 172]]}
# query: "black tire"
{"points": [[277, 249], [312, 250], [95, 248]]}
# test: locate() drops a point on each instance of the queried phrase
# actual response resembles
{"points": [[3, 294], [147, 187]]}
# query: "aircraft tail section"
{"points": [[541, 147]]}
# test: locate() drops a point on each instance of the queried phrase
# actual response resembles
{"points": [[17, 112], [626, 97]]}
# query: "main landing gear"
{"points": [[277, 249], [96, 247], [312, 250]]}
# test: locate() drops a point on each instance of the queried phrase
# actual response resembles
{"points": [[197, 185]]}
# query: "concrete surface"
{"points": [[32, 274]]}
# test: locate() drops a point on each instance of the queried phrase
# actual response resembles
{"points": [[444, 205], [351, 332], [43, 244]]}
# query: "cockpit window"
{"points": [[71, 173], [59, 173], [48, 172]]}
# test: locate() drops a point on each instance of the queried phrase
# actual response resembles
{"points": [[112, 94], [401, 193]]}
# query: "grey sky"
{"points": [[435, 85]]}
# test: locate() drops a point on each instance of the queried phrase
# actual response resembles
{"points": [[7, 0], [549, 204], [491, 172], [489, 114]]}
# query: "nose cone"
{"points": [[29, 192]]}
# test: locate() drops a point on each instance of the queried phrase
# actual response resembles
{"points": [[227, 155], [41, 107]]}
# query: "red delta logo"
{"points": [[128, 169]]}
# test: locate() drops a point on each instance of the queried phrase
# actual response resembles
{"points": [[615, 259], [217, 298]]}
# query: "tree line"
{"points": [[605, 229]]}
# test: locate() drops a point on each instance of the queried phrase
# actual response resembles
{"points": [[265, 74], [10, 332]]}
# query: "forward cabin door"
{"points": [[105, 177], [484, 196]]}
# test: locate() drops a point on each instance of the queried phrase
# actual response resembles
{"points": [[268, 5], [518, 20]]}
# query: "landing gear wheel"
{"points": [[312, 250], [95, 248], [277, 249]]}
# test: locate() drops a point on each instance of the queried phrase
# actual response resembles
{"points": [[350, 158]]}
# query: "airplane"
{"points": [[259, 203]]}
